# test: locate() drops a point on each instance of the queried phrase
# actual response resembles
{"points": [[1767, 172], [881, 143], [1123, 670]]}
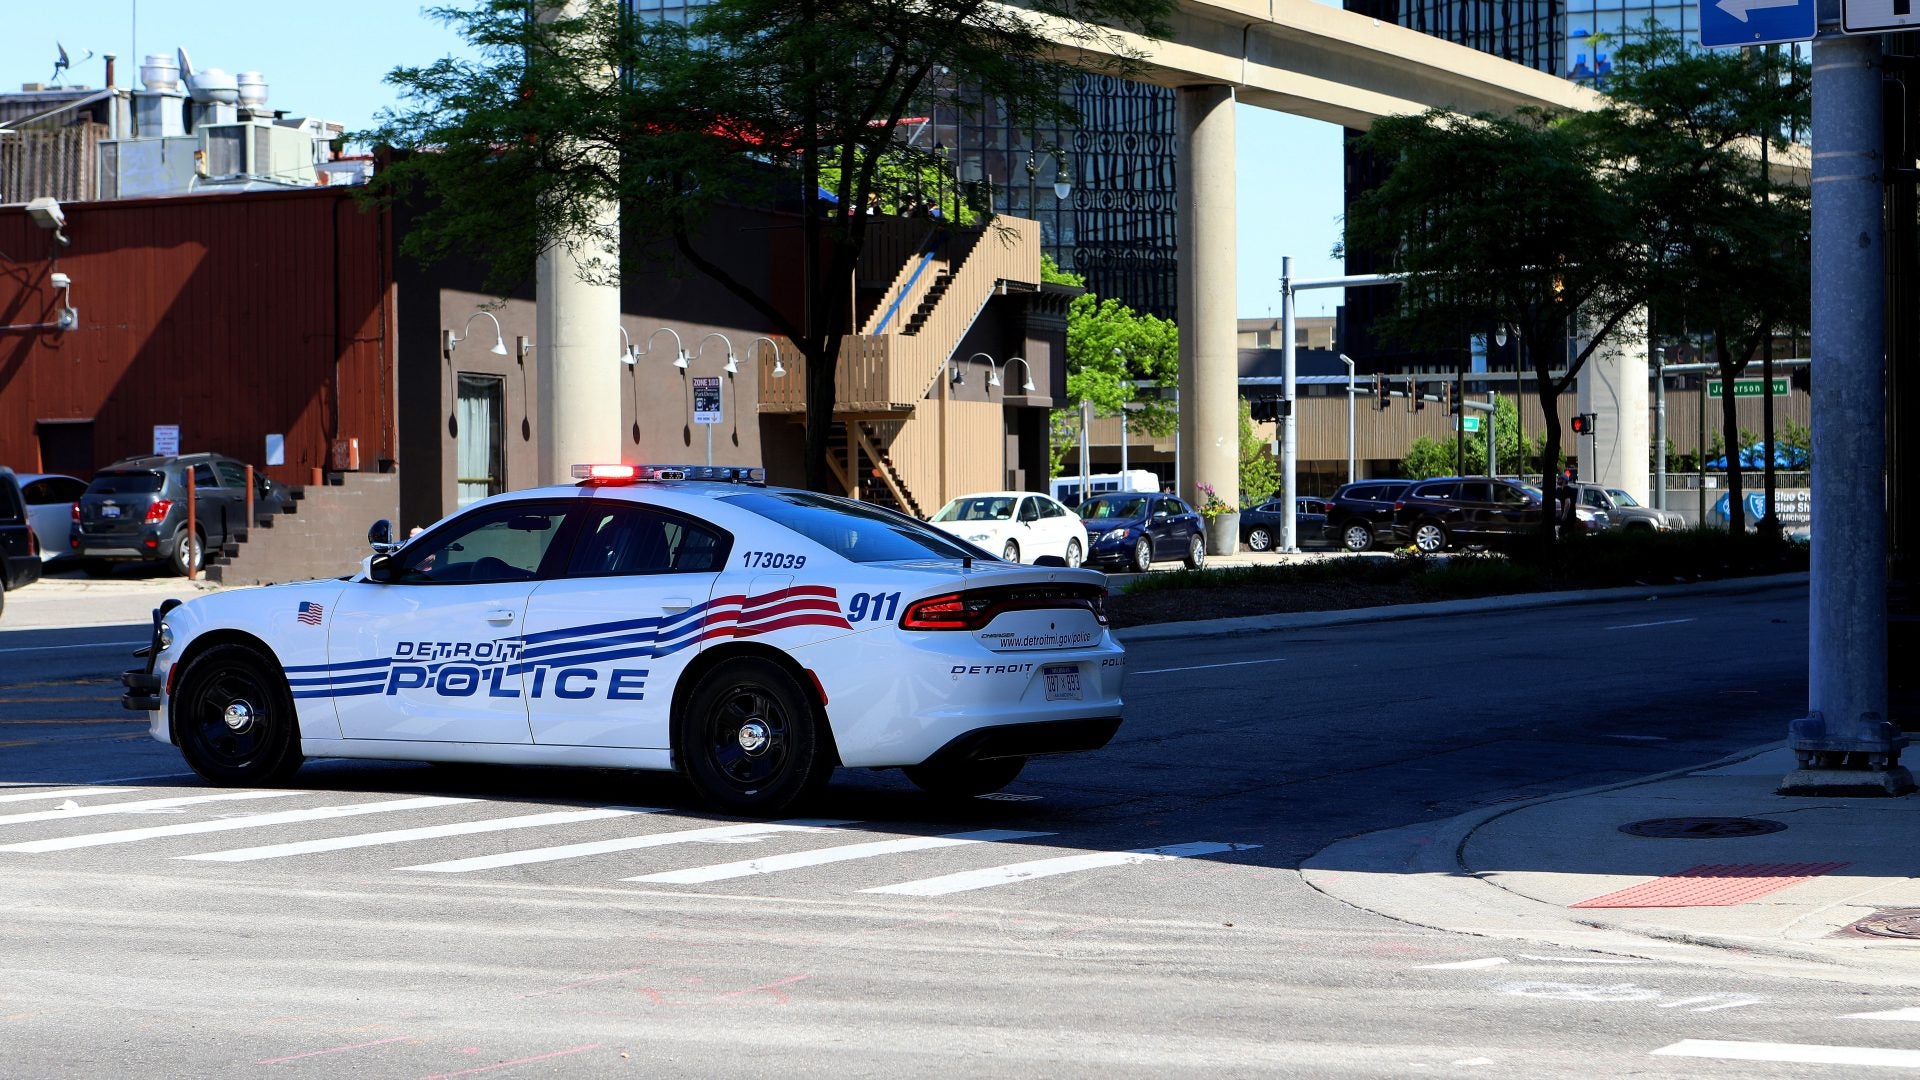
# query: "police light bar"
{"points": [[625, 474]]}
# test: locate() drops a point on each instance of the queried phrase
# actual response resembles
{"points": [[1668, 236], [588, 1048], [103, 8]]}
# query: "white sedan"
{"points": [[685, 618], [1020, 525]]}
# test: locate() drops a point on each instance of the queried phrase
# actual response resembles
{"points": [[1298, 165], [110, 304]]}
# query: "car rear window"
{"points": [[1436, 491], [127, 483], [851, 530]]}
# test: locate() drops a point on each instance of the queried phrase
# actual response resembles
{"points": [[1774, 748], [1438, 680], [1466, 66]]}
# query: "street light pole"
{"points": [[1348, 360]]}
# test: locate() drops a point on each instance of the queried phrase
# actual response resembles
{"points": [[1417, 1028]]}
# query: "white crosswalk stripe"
{"points": [[65, 793], [969, 880], [257, 821], [1793, 1053], [429, 832], [625, 843], [845, 853], [1910, 1015], [141, 806]]}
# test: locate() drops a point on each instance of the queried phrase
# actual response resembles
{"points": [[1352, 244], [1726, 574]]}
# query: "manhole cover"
{"points": [[1900, 923], [1701, 828]]}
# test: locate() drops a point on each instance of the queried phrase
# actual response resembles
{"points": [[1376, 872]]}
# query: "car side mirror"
{"points": [[381, 568], [380, 536]]}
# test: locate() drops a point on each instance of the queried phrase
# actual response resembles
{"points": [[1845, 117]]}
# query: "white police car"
{"points": [[650, 617]]}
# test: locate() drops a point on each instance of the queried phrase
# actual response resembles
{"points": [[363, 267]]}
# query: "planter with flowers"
{"points": [[1222, 520]]}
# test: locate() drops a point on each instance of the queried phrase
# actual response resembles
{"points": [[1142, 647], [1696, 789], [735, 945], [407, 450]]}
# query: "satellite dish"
{"points": [[186, 64]]}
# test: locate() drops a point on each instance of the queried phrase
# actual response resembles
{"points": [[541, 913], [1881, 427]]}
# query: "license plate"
{"points": [[109, 511], [1063, 682]]}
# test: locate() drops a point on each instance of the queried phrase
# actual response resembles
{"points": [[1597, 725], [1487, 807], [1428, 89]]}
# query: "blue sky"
{"points": [[329, 60]]}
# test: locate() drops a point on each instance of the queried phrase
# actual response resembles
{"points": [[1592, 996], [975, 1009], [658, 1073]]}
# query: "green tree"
{"points": [[1728, 246], [1111, 348], [1539, 240], [562, 114], [1259, 472], [1434, 457]]}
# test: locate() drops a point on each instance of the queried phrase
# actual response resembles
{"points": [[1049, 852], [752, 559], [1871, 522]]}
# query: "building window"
{"points": [[479, 461]]}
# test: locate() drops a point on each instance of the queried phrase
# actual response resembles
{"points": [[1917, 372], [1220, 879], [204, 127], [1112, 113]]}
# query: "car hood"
{"points": [[1097, 526]]}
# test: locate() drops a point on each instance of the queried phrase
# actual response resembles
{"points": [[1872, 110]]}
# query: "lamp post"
{"points": [[1348, 360]]}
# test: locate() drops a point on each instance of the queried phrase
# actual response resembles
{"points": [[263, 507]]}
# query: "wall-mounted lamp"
{"points": [[448, 339], [779, 369], [680, 357], [69, 315], [45, 212], [1022, 361], [629, 355], [733, 366]]}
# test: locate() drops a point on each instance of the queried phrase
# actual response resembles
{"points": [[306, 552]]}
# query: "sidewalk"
{"points": [[1560, 870], [72, 600]]}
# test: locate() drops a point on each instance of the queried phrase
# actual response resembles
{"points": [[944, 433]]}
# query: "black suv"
{"points": [[19, 550], [1448, 510], [136, 509], [1362, 512]]}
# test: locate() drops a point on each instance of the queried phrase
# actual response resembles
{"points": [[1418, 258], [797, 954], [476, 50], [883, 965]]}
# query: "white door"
{"points": [[607, 638], [434, 654]]}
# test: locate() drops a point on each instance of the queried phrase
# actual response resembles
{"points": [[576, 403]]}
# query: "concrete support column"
{"points": [[1209, 349], [1613, 387], [1846, 744]]}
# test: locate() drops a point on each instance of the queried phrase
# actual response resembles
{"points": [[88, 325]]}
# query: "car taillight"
{"points": [[76, 511], [975, 608], [158, 511], [1399, 504]]}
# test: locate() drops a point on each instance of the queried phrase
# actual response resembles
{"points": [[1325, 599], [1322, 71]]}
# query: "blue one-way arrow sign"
{"points": [[1731, 23]]}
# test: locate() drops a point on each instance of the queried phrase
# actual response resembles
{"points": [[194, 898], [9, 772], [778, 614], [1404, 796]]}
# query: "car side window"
{"points": [[1435, 491], [1050, 509], [1593, 497], [640, 540], [1029, 509], [232, 474], [1507, 496], [203, 476], [1476, 491], [1165, 508], [505, 542]]}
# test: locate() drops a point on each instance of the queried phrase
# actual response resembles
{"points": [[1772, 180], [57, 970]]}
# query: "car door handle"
{"points": [[674, 605], [500, 616]]}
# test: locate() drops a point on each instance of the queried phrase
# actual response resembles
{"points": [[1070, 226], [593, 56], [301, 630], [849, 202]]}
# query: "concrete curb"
{"points": [[1421, 875], [1515, 602]]}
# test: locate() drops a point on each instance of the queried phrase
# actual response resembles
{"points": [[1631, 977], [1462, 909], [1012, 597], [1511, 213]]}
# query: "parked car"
{"points": [[1262, 526], [1450, 511], [136, 510], [19, 550], [1019, 526], [50, 501], [1624, 511], [1136, 530], [1361, 513]]}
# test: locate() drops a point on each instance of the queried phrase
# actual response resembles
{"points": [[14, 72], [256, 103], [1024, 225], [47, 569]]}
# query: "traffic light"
{"points": [[1379, 391], [1583, 423], [1266, 407], [1446, 399], [1414, 401]]}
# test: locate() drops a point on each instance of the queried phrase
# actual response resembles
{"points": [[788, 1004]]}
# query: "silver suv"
{"points": [[136, 510], [1623, 510]]}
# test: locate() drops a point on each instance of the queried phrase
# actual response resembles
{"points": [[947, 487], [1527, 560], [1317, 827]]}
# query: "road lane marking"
{"points": [[1713, 1002], [1203, 667], [1465, 965], [143, 804], [51, 648], [428, 832], [1584, 959], [65, 793], [625, 843], [776, 863], [1662, 622], [1039, 868], [1796, 1053], [1890, 1014], [334, 1050], [256, 821], [517, 1061]]}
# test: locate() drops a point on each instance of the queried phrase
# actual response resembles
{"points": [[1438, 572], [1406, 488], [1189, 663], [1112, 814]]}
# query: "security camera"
{"points": [[46, 213], [60, 281]]}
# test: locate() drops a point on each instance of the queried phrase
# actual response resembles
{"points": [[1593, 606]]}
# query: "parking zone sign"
{"points": [[706, 399]]}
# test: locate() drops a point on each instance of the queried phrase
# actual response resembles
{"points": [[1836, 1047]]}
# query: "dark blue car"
{"points": [[1133, 530]]}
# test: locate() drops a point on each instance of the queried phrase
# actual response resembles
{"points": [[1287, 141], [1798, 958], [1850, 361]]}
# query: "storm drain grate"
{"points": [[1701, 828], [1902, 923]]}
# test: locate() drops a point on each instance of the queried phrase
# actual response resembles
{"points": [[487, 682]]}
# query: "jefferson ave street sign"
{"points": [[1747, 388], [1731, 23]]}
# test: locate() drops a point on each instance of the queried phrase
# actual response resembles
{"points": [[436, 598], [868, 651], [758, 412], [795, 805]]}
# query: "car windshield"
{"points": [[1532, 492], [125, 483], [1622, 497], [978, 508], [1098, 509], [852, 530]]}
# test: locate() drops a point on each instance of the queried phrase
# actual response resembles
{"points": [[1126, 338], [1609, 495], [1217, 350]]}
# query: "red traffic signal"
{"points": [[1583, 423]]}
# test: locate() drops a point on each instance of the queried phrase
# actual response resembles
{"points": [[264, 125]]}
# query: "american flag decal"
{"points": [[310, 613]]}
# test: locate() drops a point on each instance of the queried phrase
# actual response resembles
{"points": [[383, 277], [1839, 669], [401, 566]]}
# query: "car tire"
{"points": [[1074, 555], [234, 718], [750, 741], [1429, 537], [186, 555], [1196, 552], [1010, 553], [1357, 537], [1142, 555], [965, 779], [1259, 539]]}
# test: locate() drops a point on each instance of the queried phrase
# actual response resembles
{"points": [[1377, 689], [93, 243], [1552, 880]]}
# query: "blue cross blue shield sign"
{"points": [[1732, 23]]}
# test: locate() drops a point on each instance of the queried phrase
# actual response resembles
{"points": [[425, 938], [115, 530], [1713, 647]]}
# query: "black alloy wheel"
{"points": [[234, 718], [964, 779], [750, 740]]}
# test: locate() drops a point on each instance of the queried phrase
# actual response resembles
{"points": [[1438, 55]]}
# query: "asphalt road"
{"points": [[1128, 913]]}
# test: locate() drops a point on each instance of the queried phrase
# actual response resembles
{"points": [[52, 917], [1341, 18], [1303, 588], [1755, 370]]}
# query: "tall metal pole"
{"points": [[1493, 433], [1659, 429], [1289, 527], [1348, 360], [1701, 443], [1845, 744]]}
